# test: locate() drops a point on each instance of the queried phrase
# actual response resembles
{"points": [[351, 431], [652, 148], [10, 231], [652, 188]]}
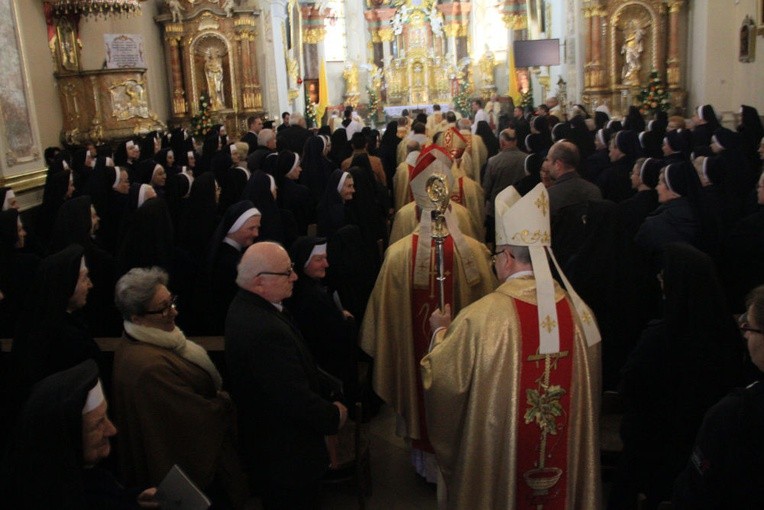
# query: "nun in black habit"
{"points": [[634, 210], [17, 270], [236, 232], [148, 239], [683, 364], [199, 219], [59, 187], [706, 123], [316, 167], [751, 132], [52, 334], [62, 433], [329, 329], [291, 195], [615, 181], [599, 160], [274, 225], [332, 210], [77, 222]]}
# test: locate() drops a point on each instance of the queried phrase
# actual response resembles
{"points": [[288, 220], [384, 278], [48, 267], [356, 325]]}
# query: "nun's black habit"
{"points": [[17, 270], [330, 335], [73, 225], [44, 467], [49, 338], [222, 261]]}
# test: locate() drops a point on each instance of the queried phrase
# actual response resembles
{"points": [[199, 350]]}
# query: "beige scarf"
{"points": [[176, 342]]}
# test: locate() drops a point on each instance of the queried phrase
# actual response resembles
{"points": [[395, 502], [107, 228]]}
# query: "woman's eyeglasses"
{"points": [[173, 304]]}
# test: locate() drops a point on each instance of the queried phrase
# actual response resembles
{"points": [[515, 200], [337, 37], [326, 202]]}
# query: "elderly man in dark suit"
{"points": [[285, 404], [568, 187]]}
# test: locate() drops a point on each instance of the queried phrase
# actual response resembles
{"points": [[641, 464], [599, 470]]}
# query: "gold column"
{"points": [[178, 95], [672, 63], [251, 96], [594, 74]]}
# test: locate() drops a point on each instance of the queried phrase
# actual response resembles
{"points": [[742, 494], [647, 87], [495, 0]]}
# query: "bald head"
{"points": [[265, 269], [465, 123], [412, 145]]}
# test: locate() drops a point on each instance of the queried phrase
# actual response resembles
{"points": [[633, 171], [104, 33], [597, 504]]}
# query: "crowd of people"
{"points": [[313, 251]]}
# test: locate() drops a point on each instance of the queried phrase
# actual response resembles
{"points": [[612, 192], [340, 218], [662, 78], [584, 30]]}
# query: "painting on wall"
{"points": [[18, 137], [747, 40]]}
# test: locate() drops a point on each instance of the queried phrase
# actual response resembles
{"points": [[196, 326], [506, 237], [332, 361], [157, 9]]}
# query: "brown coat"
{"points": [[169, 412]]}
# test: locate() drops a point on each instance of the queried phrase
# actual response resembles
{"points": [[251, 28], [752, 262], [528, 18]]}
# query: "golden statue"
{"points": [[486, 65], [213, 71], [350, 74], [632, 51]]}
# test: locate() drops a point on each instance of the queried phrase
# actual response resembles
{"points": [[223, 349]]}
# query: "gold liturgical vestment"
{"points": [[483, 386], [386, 331], [406, 220]]}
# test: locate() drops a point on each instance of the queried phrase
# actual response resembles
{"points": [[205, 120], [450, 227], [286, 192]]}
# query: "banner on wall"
{"points": [[124, 51]]}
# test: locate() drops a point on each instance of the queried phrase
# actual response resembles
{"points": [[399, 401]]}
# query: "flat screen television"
{"points": [[537, 52]]}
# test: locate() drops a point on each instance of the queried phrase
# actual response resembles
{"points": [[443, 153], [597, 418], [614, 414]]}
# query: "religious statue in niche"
{"points": [[632, 51], [213, 71], [486, 65], [350, 74]]}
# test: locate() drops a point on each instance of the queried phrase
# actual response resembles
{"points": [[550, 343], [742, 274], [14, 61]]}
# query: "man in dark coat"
{"points": [[254, 125], [294, 137], [285, 408]]}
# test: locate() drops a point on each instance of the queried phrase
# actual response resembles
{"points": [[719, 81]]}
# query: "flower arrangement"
{"points": [[654, 96], [201, 123], [310, 113], [526, 98], [462, 97], [374, 102]]}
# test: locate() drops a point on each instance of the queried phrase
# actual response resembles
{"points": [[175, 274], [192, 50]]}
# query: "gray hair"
{"points": [[521, 253], [295, 118], [464, 124], [265, 136], [135, 290]]}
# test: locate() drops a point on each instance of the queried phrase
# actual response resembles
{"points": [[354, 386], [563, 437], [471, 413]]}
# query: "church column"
{"points": [[456, 18], [672, 63], [313, 34], [251, 95], [594, 73], [382, 35], [173, 33], [515, 17], [277, 86]]}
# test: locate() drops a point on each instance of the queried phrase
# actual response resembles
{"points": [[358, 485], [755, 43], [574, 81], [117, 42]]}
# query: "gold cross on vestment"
{"points": [[549, 324], [542, 203]]}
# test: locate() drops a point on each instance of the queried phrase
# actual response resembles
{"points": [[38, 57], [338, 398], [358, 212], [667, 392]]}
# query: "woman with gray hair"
{"points": [[167, 395]]}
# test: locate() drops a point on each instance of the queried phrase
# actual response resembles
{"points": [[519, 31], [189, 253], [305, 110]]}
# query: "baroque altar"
{"points": [[417, 45], [625, 41], [211, 51]]}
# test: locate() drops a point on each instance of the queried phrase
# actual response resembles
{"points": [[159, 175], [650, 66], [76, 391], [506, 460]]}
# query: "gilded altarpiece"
{"points": [[625, 41], [210, 49]]}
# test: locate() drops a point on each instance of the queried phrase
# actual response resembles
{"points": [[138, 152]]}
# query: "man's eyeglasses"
{"points": [[173, 304], [286, 273], [496, 254]]}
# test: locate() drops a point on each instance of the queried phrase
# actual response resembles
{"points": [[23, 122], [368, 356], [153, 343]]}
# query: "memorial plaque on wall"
{"points": [[124, 51]]}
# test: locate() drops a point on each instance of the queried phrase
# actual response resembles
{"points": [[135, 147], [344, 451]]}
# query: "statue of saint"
{"points": [[632, 51], [350, 74], [213, 71], [486, 65], [175, 10]]}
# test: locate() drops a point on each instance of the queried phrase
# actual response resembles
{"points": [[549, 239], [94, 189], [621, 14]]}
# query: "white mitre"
{"points": [[525, 221], [431, 161]]}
